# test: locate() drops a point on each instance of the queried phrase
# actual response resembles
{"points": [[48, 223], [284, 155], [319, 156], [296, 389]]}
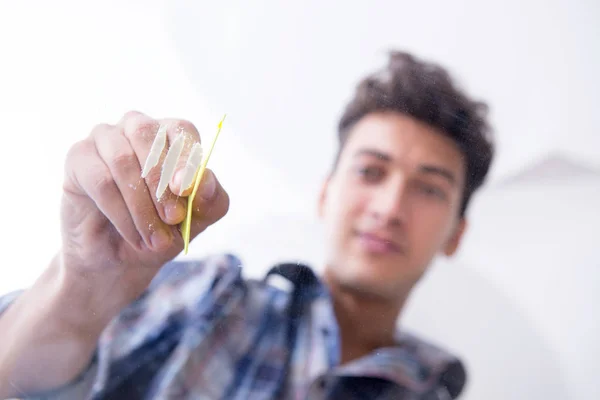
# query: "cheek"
{"points": [[430, 231], [343, 207]]}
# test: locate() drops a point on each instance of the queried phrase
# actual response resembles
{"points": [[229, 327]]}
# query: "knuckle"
{"points": [[124, 160], [131, 114], [77, 149], [142, 129], [187, 127], [101, 129], [140, 126], [103, 183], [73, 163], [74, 149]]}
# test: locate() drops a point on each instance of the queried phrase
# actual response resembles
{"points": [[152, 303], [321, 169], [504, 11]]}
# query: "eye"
{"points": [[432, 191], [370, 173]]}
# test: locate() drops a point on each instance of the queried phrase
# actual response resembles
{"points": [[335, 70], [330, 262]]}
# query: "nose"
{"points": [[388, 204]]}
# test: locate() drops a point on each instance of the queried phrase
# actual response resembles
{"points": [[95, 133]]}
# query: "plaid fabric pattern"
{"points": [[202, 331]]}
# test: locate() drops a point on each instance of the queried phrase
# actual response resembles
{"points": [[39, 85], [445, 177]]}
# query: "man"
{"points": [[113, 318]]}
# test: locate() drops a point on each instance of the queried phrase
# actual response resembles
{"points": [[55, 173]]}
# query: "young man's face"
{"points": [[391, 204]]}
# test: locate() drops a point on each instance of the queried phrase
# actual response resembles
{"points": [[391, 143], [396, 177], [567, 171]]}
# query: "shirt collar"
{"points": [[413, 362]]}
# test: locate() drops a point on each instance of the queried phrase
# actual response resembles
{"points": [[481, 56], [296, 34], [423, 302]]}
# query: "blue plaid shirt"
{"points": [[201, 331]]}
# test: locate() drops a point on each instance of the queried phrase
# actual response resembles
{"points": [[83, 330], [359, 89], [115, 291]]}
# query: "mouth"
{"points": [[379, 244]]}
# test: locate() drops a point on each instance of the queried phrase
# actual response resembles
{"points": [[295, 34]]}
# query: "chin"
{"points": [[388, 276], [377, 268], [368, 281]]}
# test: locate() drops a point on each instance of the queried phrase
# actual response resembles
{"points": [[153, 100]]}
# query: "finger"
{"points": [[207, 211], [141, 131], [89, 175], [185, 179], [192, 141], [210, 204], [124, 166]]}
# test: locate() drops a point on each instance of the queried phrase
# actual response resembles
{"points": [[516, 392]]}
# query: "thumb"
{"points": [[210, 204]]}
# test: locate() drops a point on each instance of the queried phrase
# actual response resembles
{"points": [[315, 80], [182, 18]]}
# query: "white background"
{"points": [[520, 300]]}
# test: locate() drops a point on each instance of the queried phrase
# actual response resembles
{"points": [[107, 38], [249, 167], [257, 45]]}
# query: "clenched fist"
{"points": [[114, 228]]}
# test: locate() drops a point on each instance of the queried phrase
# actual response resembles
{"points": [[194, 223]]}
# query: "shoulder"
{"points": [[436, 361]]}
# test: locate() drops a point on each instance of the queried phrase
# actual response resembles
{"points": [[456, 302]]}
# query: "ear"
{"points": [[323, 196], [454, 240]]}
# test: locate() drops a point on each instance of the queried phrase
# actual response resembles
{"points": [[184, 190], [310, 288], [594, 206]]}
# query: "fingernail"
{"points": [[185, 179], [174, 210], [209, 186], [178, 182], [178, 178], [160, 239]]}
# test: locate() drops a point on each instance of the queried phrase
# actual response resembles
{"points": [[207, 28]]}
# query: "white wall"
{"points": [[518, 301], [521, 298]]}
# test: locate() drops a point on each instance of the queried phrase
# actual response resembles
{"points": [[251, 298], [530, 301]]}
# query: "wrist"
{"points": [[85, 301]]}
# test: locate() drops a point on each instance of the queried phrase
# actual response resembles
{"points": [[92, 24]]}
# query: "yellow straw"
{"points": [[186, 228]]}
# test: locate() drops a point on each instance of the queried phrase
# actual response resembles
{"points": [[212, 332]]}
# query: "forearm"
{"points": [[49, 335]]}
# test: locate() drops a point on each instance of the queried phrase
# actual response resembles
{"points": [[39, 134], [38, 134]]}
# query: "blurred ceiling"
{"points": [[284, 70]]}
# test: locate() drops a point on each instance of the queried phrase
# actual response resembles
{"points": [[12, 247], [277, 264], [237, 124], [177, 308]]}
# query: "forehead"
{"points": [[407, 141]]}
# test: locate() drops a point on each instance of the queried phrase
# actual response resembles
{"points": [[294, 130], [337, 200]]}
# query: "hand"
{"points": [[115, 233]]}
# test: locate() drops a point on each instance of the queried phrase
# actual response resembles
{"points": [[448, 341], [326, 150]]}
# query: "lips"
{"points": [[379, 244]]}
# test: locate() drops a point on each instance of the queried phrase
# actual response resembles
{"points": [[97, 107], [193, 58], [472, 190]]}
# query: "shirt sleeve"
{"points": [[78, 388], [141, 320]]}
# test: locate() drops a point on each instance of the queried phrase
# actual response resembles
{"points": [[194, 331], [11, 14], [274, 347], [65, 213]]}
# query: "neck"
{"points": [[366, 322]]}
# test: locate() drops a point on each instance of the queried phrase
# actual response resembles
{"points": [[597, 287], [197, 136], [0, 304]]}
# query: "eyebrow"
{"points": [[373, 153], [425, 169], [440, 171]]}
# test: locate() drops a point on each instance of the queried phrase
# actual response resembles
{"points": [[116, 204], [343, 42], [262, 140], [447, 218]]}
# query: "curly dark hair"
{"points": [[426, 92]]}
